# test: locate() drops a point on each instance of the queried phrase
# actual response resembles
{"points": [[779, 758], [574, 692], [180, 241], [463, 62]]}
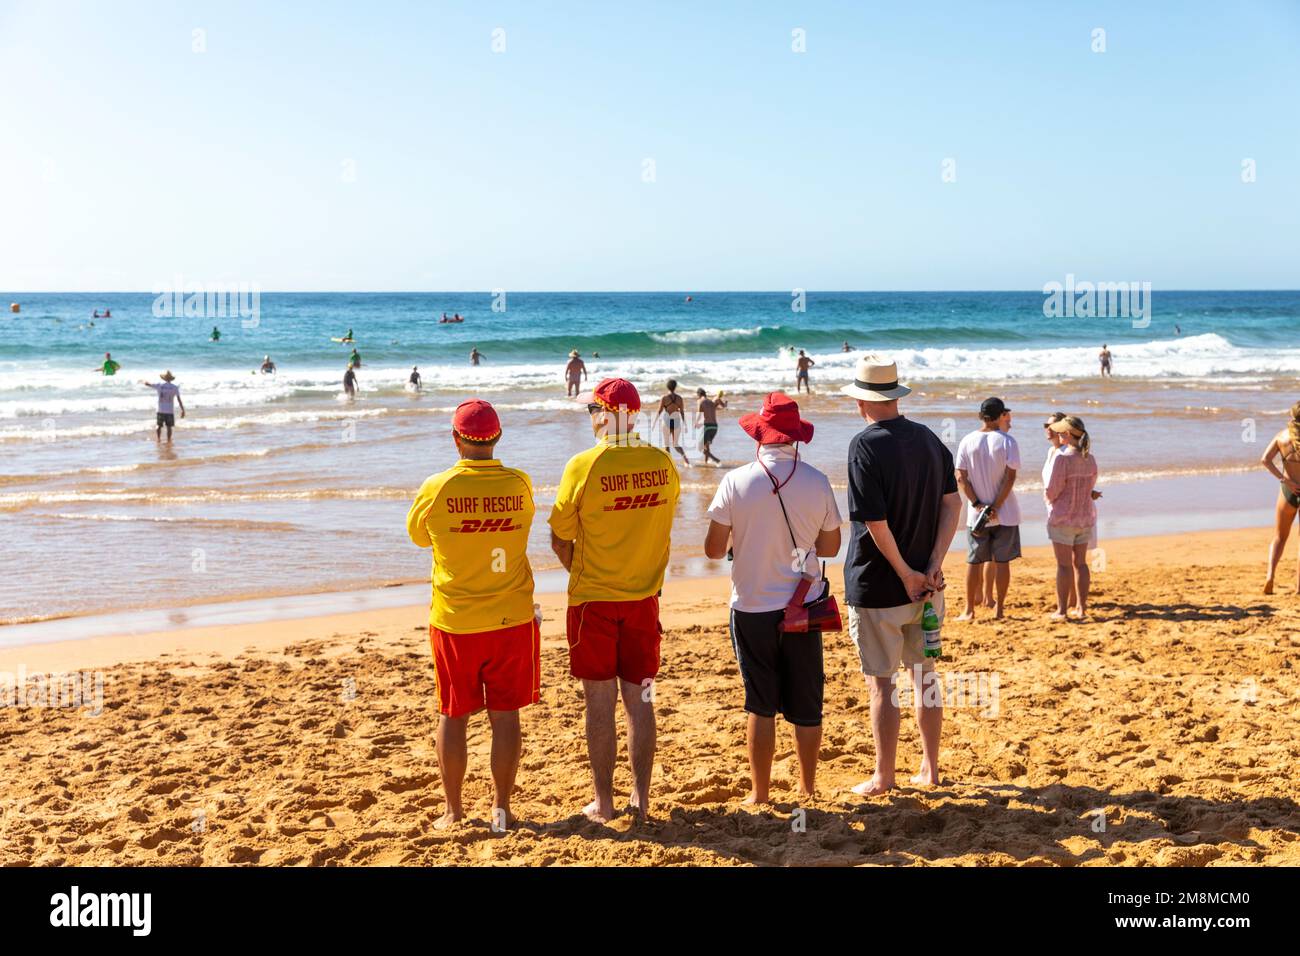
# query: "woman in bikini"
{"points": [[1286, 446], [674, 408]]}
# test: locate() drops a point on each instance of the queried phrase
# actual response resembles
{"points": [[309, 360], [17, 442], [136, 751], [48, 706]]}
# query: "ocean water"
{"points": [[276, 484]]}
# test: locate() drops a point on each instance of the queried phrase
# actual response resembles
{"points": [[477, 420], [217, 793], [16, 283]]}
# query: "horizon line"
{"points": [[490, 292]]}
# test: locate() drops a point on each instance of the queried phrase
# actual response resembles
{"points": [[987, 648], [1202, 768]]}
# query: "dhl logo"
{"points": [[485, 525], [632, 502]]}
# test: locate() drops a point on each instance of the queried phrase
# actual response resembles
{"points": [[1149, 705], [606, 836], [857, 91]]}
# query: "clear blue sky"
{"points": [[127, 158]]}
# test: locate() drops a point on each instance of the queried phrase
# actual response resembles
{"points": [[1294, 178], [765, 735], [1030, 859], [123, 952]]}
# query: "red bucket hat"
{"points": [[613, 394], [476, 420], [778, 423]]}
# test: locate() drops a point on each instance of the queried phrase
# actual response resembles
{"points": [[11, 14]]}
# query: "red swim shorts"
{"points": [[500, 669], [609, 639]]}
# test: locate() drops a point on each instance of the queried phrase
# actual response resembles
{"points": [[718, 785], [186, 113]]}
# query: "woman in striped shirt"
{"points": [[1070, 479]]}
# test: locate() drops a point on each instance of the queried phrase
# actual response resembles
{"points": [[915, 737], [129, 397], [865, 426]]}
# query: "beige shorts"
{"points": [[1072, 536], [888, 638]]}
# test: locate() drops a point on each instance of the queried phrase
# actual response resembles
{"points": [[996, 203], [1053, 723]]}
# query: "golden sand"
{"points": [[1162, 732]]}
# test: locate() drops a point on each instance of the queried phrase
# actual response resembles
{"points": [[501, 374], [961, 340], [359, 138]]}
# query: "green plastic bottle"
{"points": [[930, 628]]}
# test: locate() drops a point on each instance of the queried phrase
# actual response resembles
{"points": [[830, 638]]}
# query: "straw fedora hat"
{"points": [[876, 380], [167, 376]]}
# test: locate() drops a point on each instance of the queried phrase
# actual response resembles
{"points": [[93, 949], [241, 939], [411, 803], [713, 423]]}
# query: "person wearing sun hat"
{"points": [[574, 373], [168, 393], [904, 507], [486, 641], [775, 543], [611, 527]]}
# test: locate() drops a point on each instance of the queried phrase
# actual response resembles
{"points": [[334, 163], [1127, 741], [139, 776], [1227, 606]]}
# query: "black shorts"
{"points": [[999, 542], [782, 672], [710, 432], [167, 418]]}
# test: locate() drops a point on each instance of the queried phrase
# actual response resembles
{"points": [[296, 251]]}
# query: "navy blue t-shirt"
{"points": [[899, 471]]}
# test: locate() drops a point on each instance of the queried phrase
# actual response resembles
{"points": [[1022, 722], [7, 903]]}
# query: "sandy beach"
{"points": [[1160, 733]]}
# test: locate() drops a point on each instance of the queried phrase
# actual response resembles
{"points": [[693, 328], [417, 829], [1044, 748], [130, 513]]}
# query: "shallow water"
{"points": [[274, 485]]}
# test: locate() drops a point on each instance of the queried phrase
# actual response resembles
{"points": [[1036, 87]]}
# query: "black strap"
{"points": [[776, 490], [788, 527]]}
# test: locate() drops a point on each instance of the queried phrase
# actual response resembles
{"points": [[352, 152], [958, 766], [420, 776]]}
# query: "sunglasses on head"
{"points": [[593, 408]]}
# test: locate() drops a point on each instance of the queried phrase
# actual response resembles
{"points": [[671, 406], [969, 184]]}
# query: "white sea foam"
{"points": [[706, 336], [49, 394]]}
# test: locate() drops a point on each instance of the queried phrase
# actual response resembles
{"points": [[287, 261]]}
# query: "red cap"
{"points": [[778, 423], [476, 420], [613, 394]]}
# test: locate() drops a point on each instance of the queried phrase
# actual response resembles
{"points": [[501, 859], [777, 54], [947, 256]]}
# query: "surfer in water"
{"points": [[216, 334], [109, 367], [355, 359], [474, 356], [672, 406], [574, 373], [706, 414], [801, 372], [350, 381], [414, 381], [347, 337], [268, 367], [1104, 358]]}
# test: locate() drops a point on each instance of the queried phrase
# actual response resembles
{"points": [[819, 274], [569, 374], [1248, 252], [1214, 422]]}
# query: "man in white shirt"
{"points": [[987, 462], [779, 514], [167, 394]]}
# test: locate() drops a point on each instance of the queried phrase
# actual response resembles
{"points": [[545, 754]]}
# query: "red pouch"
{"points": [[820, 615]]}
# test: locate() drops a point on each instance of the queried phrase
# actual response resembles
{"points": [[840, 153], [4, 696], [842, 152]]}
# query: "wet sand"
{"points": [[1170, 716]]}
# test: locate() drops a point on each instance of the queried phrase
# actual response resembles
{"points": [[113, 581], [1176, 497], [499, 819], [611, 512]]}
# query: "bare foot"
{"points": [[968, 616], [1268, 586], [753, 800], [598, 814], [449, 819], [873, 787], [997, 614], [1057, 616], [926, 777]]}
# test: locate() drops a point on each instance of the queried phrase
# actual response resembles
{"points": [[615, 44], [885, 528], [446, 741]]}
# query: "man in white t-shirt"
{"points": [[987, 462], [779, 514], [168, 393]]}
